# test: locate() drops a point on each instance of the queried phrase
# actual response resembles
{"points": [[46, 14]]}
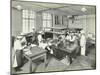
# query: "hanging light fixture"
{"points": [[19, 7], [83, 9]]}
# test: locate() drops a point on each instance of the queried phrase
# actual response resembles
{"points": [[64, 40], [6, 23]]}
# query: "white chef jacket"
{"points": [[70, 39], [40, 38], [82, 40], [17, 46]]}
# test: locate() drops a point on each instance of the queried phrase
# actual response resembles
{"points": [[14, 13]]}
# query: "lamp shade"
{"points": [[19, 7], [84, 9]]}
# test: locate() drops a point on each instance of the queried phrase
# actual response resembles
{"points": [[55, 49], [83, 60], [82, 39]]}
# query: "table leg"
{"points": [[30, 66], [45, 57]]}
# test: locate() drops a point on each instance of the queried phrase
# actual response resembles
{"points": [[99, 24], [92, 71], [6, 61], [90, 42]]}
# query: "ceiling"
{"points": [[66, 9]]}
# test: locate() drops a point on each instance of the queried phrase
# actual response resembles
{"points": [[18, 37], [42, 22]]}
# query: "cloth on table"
{"points": [[43, 45], [27, 51]]}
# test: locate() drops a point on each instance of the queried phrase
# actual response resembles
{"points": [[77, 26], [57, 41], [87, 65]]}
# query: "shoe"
{"points": [[18, 69]]}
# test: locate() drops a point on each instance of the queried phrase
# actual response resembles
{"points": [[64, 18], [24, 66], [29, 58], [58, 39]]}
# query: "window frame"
{"points": [[24, 17]]}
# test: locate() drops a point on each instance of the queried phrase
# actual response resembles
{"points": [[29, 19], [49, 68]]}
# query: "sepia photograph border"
{"points": [[51, 3]]}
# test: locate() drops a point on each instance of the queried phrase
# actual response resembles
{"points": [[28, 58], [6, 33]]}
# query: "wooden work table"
{"points": [[37, 52], [61, 51]]}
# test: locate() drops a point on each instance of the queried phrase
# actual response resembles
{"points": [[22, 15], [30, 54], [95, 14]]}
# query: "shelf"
{"points": [[55, 32], [56, 28]]}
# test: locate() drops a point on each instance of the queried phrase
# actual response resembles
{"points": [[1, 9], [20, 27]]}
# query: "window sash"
{"points": [[28, 20], [47, 20]]}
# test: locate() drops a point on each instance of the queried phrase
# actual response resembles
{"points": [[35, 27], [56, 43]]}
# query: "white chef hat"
{"points": [[21, 35], [41, 32], [82, 32]]}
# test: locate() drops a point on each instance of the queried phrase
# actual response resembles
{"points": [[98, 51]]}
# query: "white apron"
{"points": [[83, 44], [15, 61], [17, 45]]}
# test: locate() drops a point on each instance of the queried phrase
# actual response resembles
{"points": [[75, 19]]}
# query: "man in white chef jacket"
{"points": [[19, 45], [83, 43], [70, 36], [40, 38]]}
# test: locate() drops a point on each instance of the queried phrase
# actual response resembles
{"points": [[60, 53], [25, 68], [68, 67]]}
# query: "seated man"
{"points": [[73, 47], [49, 45], [31, 37], [69, 47]]}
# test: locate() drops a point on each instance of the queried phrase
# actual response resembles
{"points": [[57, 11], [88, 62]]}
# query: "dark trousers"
{"points": [[19, 58]]}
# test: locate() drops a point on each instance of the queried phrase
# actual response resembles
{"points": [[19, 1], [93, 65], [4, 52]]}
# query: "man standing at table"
{"points": [[19, 45], [83, 43], [40, 38], [34, 36]]}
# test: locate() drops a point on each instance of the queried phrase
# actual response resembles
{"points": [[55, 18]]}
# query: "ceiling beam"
{"points": [[76, 10], [52, 8], [48, 8], [58, 10], [40, 5], [64, 11]]}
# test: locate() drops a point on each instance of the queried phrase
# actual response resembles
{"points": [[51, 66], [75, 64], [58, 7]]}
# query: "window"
{"points": [[57, 21], [64, 20], [47, 20], [28, 20]]}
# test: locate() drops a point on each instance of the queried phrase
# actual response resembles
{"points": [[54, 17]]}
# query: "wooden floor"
{"points": [[80, 63]]}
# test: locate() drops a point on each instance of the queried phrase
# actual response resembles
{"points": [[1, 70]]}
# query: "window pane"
{"points": [[49, 16], [47, 20], [57, 20], [44, 15], [25, 25], [32, 14], [28, 20], [25, 13], [32, 24], [49, 24], [44, 23]]}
